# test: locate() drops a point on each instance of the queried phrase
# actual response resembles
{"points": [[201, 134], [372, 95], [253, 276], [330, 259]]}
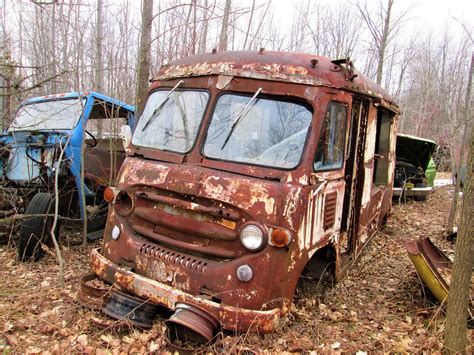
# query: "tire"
{"points": [[35, 231]]}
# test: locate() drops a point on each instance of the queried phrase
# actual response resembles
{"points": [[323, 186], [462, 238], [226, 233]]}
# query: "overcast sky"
{"points": [[425, 15]]}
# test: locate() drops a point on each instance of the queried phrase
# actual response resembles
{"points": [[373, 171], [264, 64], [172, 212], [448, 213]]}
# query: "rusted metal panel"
{"points": [[92, 296], [232, 318], [275, 66], [430, 263]]}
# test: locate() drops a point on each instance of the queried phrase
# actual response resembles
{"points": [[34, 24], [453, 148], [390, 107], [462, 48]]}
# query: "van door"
{"points": [[354, 179], [325, 207]]}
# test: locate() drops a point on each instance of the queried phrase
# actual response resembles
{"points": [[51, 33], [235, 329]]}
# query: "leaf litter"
{"points": [[381, 306]]}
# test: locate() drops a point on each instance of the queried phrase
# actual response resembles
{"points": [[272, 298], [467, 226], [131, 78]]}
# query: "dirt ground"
{"points": [[381, 306]]}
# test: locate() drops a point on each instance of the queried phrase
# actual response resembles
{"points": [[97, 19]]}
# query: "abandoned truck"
{"points": [[245, 171], [415, 169], [31, 154]]}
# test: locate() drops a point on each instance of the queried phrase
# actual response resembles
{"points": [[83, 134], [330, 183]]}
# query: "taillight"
{"points": [[280, 238]]}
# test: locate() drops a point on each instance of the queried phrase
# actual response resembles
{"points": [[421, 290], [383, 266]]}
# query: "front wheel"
{"points": [[36, 230]]}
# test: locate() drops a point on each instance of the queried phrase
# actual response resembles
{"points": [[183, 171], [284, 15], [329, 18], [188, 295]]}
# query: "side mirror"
{"points": [[125, 135]]}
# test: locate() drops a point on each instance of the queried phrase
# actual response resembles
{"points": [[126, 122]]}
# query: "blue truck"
{"points": [[42, 145]]}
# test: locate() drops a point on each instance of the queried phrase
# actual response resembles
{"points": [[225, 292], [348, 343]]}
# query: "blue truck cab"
{"points": [[46, 135]]}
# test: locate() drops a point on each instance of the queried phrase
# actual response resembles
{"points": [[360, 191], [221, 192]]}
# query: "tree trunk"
{"points": [[384, 42], [225, 27], [383, 28], [54, 88], [249, 26], [184, 44], [144, 54], [99, 61], [455, 339], [194, 38], [205, 25], [454, 203]]}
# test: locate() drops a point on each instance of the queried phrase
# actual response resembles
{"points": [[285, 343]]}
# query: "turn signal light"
{"points": [[109, 195], [280, 238]]}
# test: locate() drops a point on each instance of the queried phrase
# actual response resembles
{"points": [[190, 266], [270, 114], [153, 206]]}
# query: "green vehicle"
{"points": [[415, 169]]}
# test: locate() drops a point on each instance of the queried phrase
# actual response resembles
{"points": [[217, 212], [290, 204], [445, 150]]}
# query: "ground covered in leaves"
{"points": [[381, 306]]}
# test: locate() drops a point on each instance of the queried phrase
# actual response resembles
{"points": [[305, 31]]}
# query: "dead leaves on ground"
{"points": [[381, 306]]}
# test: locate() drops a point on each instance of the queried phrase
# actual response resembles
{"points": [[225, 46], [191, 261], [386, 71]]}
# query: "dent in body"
{"points": [[239, 192]]}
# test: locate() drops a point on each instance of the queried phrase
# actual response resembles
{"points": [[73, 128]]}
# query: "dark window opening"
{"points": [[382, 147], [330, 151]]}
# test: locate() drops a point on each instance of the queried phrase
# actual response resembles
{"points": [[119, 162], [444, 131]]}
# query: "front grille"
{"points": [[211, 251], [173, 257], [199, 227]]}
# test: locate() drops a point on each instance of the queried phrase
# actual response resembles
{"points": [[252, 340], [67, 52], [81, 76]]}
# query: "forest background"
{"points": [[419, 51]]}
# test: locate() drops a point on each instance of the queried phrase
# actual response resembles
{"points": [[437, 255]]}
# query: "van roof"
{"points": [[288, 67]]}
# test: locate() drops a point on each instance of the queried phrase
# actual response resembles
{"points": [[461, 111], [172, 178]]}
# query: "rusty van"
{"points": [[245, 171]]}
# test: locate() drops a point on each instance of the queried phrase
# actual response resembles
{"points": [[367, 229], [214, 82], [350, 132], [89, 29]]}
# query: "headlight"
{"points": [[123, 204], [252, 237]]}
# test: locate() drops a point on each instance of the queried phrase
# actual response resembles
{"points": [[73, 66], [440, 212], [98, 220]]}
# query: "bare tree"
{"points": [[455, 338], [247, 33], [225, 27], [204, 29], [383, 27], [452, 213], [299, 27], [99, 61], [144, 54]]}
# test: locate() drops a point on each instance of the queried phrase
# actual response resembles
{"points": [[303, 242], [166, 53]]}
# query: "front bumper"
{"points": [[415, 192], [230, 318]]}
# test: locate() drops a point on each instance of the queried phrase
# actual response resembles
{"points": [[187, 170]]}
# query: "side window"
{"points": [[105, 121], [382, 147], [330, 151]]}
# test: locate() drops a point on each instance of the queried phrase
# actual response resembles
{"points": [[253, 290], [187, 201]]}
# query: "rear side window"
{"points": [[330, 151]]}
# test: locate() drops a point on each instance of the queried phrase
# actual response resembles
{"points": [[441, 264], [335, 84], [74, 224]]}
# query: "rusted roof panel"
{"points": [[289, 67]]}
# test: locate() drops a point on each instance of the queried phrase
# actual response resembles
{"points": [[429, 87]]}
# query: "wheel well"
{"points": [[322, 264]]}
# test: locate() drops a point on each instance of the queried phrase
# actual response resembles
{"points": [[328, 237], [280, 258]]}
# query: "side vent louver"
{"points": [[330, 203]]}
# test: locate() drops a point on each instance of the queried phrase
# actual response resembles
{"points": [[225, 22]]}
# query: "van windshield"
{"points": [[268, 132], [47, 115], [171, 120]]}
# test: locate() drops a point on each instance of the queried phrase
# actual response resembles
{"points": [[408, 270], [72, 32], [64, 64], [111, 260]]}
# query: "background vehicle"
{"points": [[415, 169], [30, 150], [246, 170]]}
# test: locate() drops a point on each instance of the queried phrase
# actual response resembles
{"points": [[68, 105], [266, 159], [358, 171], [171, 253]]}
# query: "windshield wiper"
{"points": [[241, 115], [158, 110]]}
